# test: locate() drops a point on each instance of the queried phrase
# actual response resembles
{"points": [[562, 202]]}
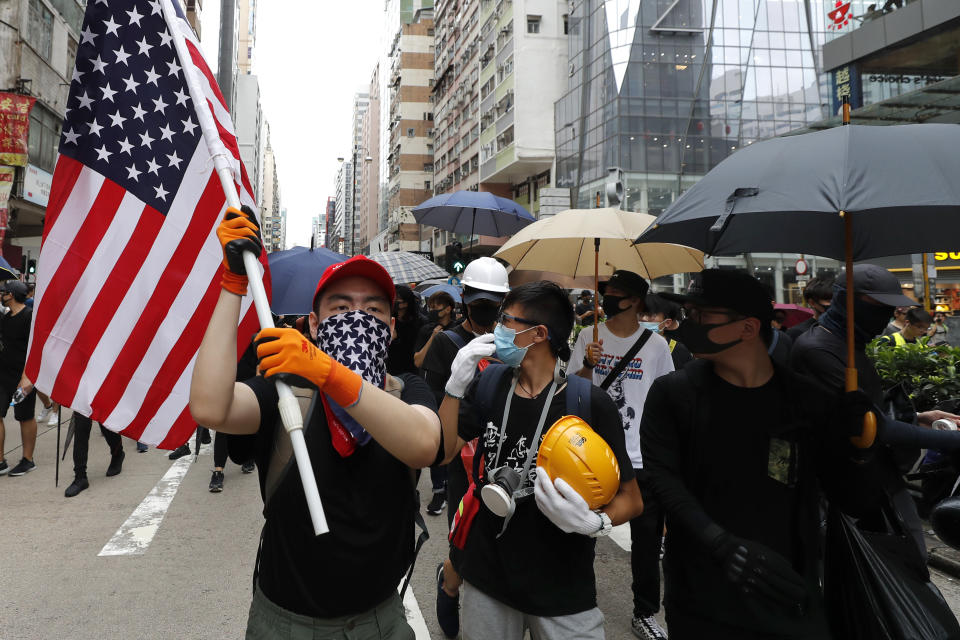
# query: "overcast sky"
{"points": [[311, 57]]}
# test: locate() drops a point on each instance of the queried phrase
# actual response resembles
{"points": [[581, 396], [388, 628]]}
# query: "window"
{"points": [[426, 185], [566, 24], [533, 24], [411, 132], [40, 28], [44, 137], [71, 56]]}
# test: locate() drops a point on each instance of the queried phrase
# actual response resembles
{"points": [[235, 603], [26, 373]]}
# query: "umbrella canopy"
{"points": [[473, 212], [423, 285], [785, 194], [793, 314], [7, 272], [295, 274], [406, 267], [449, 288], [564, 244]]}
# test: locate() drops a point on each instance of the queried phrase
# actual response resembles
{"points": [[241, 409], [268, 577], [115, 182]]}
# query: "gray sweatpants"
{"points": [[484, 617]]}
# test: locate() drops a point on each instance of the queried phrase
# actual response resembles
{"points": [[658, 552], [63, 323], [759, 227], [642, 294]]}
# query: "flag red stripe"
{"points": [[65, 175], [178, 359], [175, 274], [183, 427], [116, 285], [201, 64], [229, 141], [67, 275]]}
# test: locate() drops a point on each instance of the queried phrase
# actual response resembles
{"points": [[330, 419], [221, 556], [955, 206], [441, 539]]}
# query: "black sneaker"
{"points": [[437, 503], [248, 466], [116, 463], [179, 452], [216, 482], [4, 468], [79, 484], [448, 608], [24, 466], [141, 448]]}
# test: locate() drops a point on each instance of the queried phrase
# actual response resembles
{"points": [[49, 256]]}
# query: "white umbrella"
{"points": [[594, 242]]}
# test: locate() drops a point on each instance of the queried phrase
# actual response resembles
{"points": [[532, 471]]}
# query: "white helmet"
{"points": [[485, 274]]}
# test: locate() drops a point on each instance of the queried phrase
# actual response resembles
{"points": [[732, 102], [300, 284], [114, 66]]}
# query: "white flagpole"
{"points": [[288, 405]]}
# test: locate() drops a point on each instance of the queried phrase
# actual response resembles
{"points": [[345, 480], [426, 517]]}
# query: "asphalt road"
{"points": [[182, 558]]}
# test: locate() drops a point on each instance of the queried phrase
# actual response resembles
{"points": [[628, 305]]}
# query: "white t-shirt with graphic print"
{"points": [[629, 390]]}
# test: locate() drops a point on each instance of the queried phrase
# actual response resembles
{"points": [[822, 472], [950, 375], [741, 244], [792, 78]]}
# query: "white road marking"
{"points": [[135, 535], [621, 535], [414, 617]]}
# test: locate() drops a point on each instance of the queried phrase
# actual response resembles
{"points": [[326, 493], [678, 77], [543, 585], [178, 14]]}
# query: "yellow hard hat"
{"points": [[573, 451]]}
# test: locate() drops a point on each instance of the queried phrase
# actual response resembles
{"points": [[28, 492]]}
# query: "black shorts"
{"points": [[23, 411]]}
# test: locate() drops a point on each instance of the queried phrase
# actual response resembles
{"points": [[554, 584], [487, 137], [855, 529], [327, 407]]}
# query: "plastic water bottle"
{"points": [[18, 397], [944, 425]]}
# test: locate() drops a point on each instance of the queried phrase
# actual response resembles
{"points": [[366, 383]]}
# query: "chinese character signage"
{"points": [[845, 81], [36, 185], [6, 184], [14, 128]]}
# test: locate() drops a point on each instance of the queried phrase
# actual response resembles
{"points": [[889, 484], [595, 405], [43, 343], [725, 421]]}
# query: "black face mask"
{"points": [[611, 305], [694, 337], [433, 315], [483, 316]]}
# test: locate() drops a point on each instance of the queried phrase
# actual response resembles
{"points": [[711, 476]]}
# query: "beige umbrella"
{"points": [[595, 242]]}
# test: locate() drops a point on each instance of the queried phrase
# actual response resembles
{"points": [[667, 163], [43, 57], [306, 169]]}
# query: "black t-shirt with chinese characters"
{"points": [[369, 502], [533, 567], [15, 333]]}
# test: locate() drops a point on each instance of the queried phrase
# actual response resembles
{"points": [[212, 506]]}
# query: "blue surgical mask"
{"points": [[653, 326], [508, 352]]}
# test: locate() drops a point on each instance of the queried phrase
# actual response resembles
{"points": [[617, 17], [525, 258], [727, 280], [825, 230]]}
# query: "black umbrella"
{"points": [[851, 193]]}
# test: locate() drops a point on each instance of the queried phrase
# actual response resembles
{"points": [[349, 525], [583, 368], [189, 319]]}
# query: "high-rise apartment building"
{"points": [[340, 242], [410, 160], [347, 224], [368, 183], [329, 216], [249, 125], [271, 209], [246, 35]]}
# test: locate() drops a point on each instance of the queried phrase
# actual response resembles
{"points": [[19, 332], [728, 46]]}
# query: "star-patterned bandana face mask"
{"points": [[358, 341]]}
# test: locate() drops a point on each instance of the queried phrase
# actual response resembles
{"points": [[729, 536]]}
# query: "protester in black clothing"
{"points": [[246, 369], [822, 353], [667, 316], [817, 296], [485, 285], [14, 336], [535, 570], [585, 308], [441, 316], [406, 311], [364, 435], [735, 445], [82, 425]]}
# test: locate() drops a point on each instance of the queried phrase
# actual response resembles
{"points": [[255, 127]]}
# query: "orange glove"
{"points": [[287, 354], [238, 232]]}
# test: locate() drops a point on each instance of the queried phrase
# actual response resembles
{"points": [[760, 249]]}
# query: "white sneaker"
{"points": [[648, 628], [54, 416], [44, 414]]}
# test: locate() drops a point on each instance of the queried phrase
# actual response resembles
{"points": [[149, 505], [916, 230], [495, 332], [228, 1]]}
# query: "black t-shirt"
{"points": [[423, 336], [436, 364], [369, 503], [534, 566], [401, 350], [15, 333], [582, 308], [798, 330], [680, 354]]}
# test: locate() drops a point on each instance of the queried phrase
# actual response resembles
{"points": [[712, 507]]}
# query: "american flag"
{"points": [[130, 264]]}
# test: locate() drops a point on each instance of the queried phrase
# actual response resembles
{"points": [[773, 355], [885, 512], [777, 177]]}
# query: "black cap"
{"points": [[15, 287], [878, 283], [728, 289], [627, 281]]}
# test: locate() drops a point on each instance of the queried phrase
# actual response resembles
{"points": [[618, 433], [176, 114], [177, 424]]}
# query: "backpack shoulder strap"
{"points": [[578, 397], [774, 342], [455, 338], [487, 389]]}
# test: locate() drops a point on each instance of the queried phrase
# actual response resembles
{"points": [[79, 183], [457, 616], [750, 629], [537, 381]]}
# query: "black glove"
{"points": [[853, 406], [756, 570], [239, 232]]}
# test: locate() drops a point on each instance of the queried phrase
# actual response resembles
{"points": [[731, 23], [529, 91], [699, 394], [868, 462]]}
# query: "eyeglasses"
{"points": [[695, 314], [506, 316]]}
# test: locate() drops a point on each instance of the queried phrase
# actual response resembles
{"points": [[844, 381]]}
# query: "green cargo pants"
{"points": [[268, 621]]}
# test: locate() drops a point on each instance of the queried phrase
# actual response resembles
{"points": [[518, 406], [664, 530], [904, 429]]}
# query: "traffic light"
{"points": [[459, 264], [31, 266]]}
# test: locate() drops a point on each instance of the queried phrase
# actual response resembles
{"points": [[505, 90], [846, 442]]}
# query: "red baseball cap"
{"points": [[359, 266]]}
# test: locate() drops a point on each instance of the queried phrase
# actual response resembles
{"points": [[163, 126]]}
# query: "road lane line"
{"points": [[413, 614], [135, 535], [621, 535]]}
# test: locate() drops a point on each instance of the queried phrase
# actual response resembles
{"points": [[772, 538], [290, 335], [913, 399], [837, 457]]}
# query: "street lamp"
{"points": [[353, 195]]}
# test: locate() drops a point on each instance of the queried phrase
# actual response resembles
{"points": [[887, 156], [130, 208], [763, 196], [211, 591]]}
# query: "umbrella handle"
{"points": [[869, 432], [596, 289]]}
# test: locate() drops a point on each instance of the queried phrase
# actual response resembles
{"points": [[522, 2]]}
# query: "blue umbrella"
{"points": [[449, 288], [473, 212], [295, 274]]}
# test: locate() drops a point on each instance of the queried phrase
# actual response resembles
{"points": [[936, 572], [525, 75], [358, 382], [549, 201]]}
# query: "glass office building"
{"points": [[666, 89]]}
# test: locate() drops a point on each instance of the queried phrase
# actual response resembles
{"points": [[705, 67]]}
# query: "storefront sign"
{"points": [[36, 185], [947, 255], [14, 128], [894, 78], [6, 185], [845, 82]]}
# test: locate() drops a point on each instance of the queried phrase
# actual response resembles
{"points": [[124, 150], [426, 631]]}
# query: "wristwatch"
{"points": [[587, 364], [606, 526]]}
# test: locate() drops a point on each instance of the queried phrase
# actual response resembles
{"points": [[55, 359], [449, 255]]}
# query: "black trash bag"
{"points": [[877, 587]]}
